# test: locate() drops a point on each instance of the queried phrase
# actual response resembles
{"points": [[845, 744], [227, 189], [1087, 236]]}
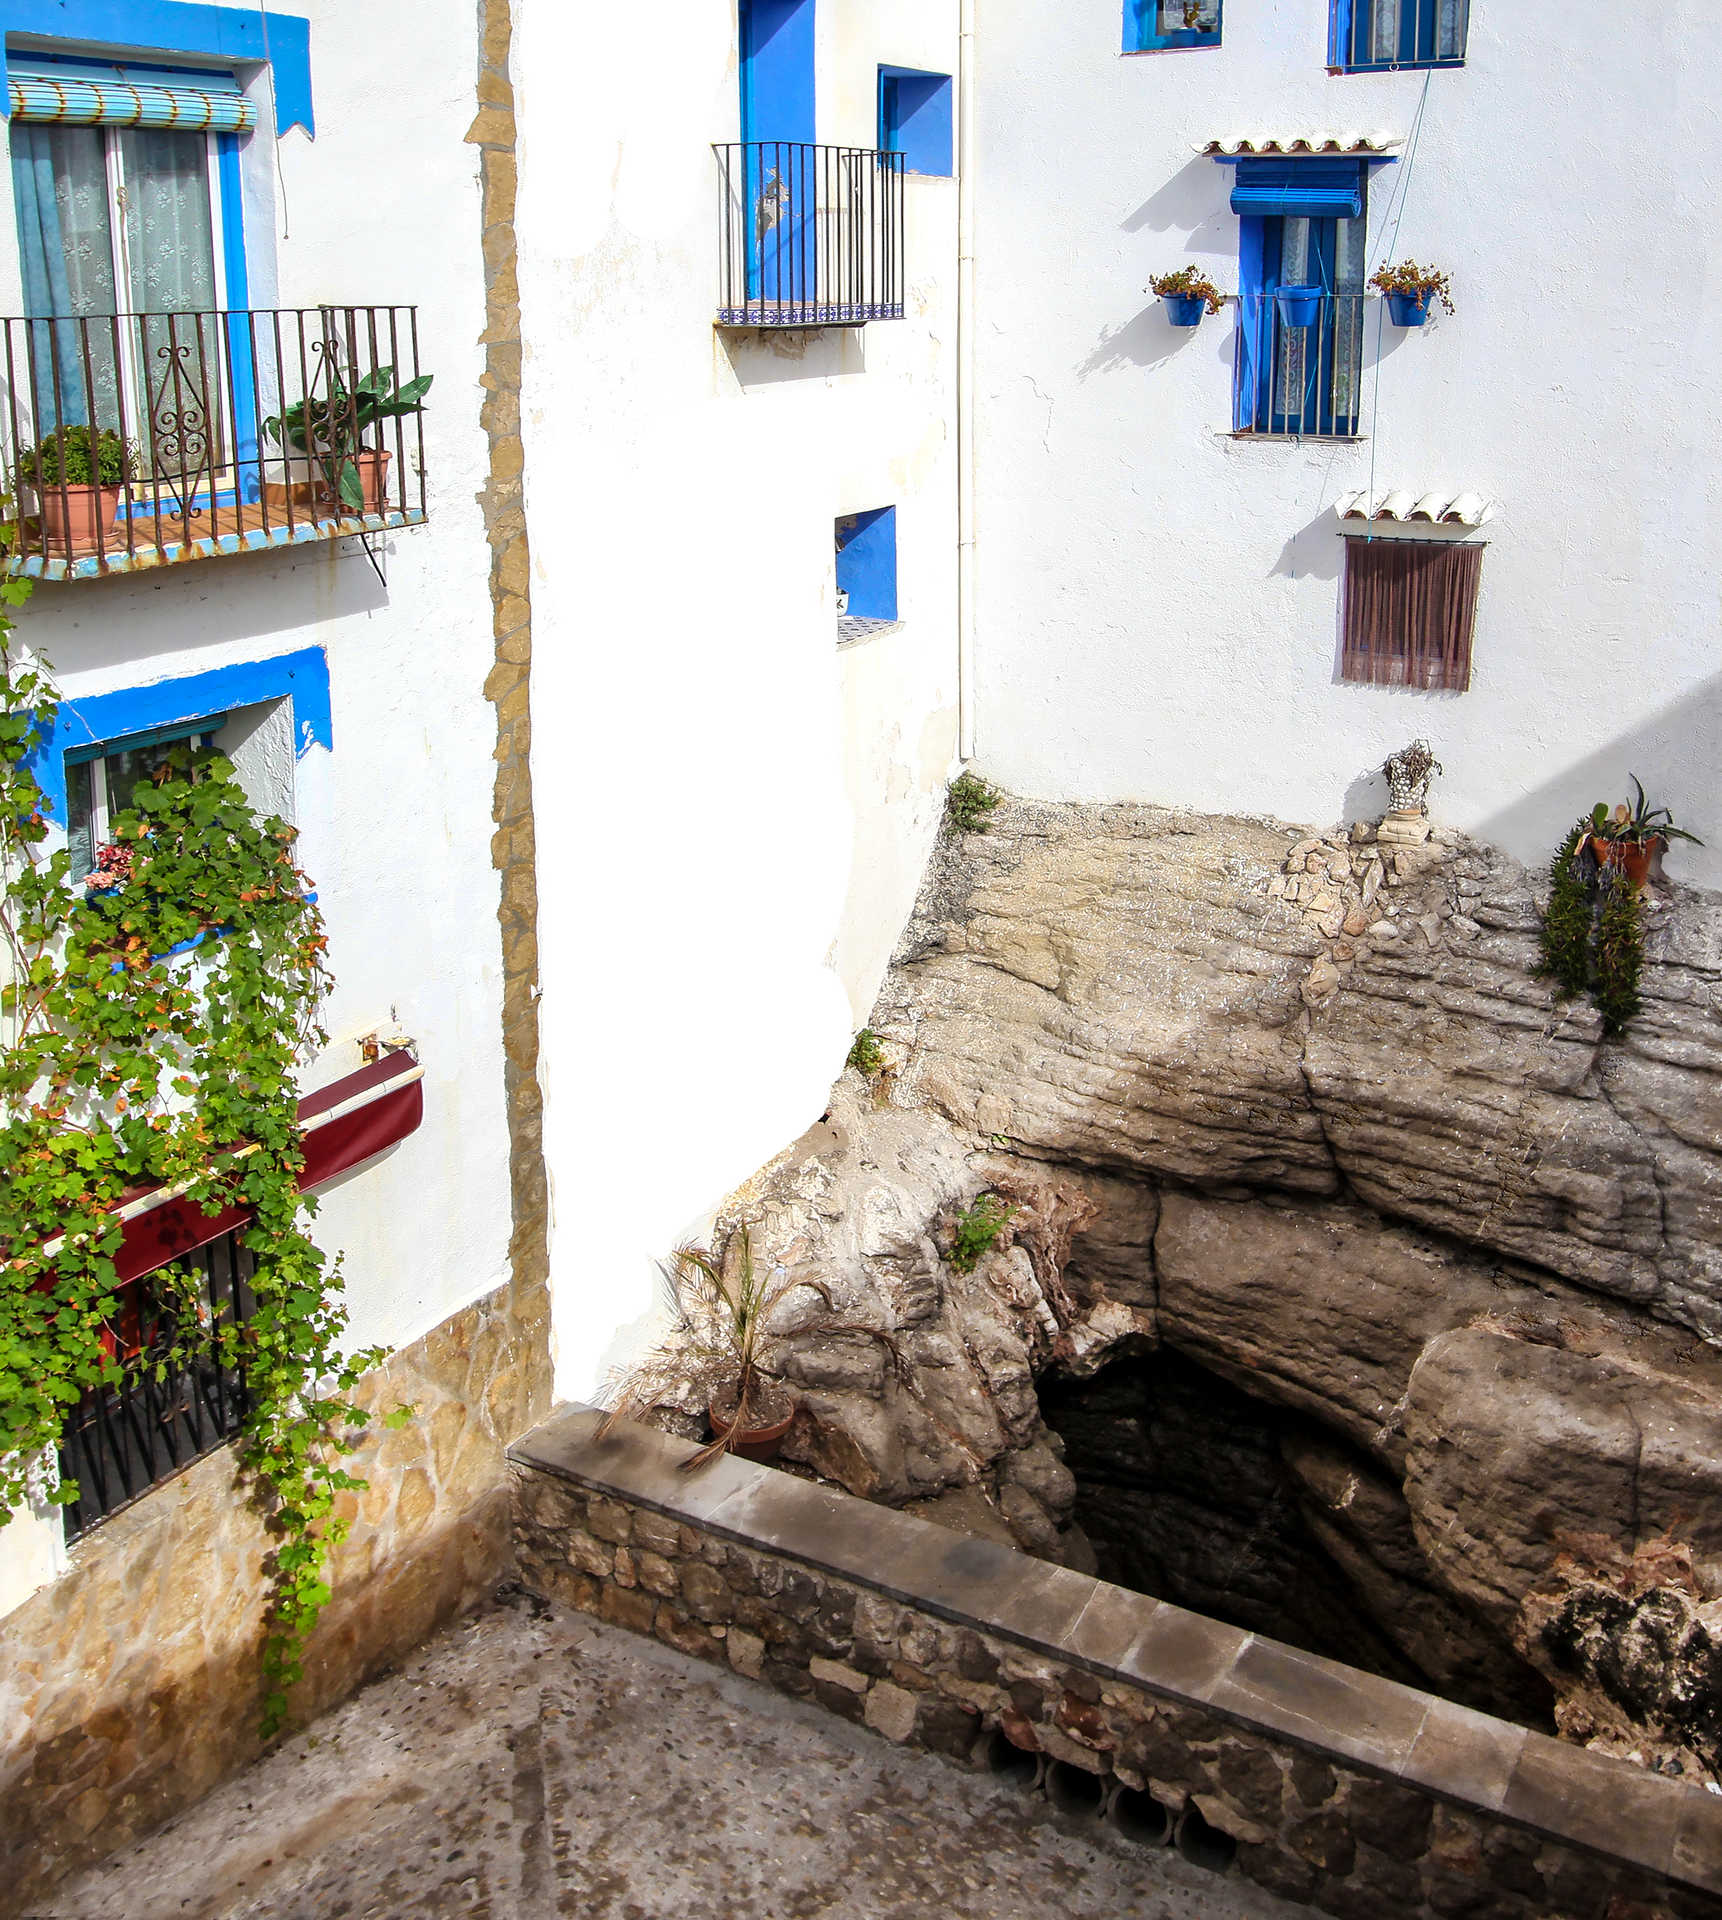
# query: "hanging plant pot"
{"points": [[1408, 309], [1299, 306], [1184, 309]]}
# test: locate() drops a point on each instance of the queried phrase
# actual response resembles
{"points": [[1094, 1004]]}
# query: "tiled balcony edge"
{"points": [[1603, 1807], [174, 553]]}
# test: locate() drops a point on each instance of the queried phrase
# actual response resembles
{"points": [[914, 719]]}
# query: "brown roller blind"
{"points": [[1410, 608]]}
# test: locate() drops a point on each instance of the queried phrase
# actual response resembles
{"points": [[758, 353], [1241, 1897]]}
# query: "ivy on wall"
{"points": [[125, 1065]]}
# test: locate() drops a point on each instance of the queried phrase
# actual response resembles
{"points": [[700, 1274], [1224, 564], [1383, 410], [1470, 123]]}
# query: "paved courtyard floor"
{"points": [[529, 1764]]}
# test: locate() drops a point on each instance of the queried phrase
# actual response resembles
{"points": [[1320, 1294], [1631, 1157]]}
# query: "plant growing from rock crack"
{"points": [[1566, 930], [1619, 953], [968, 802], [977, 1230], [866, 1056], [121, 1067]]}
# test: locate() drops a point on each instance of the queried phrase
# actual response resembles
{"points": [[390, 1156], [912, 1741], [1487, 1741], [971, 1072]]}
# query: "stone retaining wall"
{"points": [[1333, 1787]]}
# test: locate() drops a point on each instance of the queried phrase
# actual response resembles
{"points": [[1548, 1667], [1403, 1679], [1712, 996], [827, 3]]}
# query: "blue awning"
{"points": [[1312, 189]]}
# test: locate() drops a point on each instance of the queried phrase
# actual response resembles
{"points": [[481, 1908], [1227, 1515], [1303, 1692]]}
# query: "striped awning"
{"points": [[75, 102]]}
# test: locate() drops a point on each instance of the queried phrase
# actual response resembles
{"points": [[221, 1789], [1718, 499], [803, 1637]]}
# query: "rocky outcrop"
{"points": [[1301, 1111]]}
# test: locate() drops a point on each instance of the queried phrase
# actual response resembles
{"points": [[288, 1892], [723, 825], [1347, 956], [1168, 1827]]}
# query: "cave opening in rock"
{"points": [[1195, 1492]]}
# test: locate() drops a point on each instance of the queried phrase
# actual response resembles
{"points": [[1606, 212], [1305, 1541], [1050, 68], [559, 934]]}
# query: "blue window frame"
{"points": [[1375, 36], [1154, 26], [915, 118], [1299, 367], [867, 564]]}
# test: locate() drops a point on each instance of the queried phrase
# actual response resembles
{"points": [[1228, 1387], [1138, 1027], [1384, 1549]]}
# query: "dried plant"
{"points": [[1188, 283], [1412, 282], [722, 1306]]}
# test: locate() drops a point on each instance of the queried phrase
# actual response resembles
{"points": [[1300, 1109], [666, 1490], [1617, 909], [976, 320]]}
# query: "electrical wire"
{"points": [[1396, 215]]}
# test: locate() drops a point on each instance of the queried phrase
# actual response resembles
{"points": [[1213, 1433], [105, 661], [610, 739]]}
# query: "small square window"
{"points": [[1373, 36], [1151, 26], [915, 118], [1410, 613], [866, 571]]}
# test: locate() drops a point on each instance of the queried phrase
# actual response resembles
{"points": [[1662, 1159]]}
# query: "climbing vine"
{"points": [[150, 1020]]}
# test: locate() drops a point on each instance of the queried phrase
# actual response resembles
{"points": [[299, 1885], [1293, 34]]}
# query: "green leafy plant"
{"points": [[79, 457], [331, 426], [122, 1066], [977, 1230], [1188, 283], [1569, 922], [968, 802], [1619, 952], [866, 1055], [1413, 282], [1635, 821]]}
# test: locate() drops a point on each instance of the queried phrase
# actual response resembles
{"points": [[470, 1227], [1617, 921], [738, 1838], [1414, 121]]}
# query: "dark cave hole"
{"points": [[1195, 1492]]}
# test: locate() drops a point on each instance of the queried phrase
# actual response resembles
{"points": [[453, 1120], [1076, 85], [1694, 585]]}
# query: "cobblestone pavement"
{"points": [[531, 1763]]}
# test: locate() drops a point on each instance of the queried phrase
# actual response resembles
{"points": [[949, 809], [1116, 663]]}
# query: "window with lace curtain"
{"points": [[121, 226], [1370, 36], [1151, 26]]}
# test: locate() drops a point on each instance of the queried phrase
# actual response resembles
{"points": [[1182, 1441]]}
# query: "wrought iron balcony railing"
{"points": [[1300, 362], [811, 237], [141, 439]]}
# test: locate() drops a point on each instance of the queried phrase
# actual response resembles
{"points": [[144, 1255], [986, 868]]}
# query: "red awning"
{"points": [[345, 1125]]}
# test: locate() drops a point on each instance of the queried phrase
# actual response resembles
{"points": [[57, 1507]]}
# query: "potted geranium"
{"points": [[1631, 836], [1188, 294], [1411, 290], [79, 476]]}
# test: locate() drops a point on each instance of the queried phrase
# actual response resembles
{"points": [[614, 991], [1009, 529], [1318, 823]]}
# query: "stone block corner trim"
{"points": [[779, 1575]]}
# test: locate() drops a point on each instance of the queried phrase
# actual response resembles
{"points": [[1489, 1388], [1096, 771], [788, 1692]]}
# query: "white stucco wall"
{"points": [[395, 822], [1157, 612], [732, 816]]}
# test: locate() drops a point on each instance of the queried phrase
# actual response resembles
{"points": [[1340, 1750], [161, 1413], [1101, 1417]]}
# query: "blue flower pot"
{"points": [[1299, 306], [1184, 309], [1407, 310]]}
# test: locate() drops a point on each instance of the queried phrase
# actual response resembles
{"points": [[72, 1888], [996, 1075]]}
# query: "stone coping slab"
{"points": [[1582, 1799]]}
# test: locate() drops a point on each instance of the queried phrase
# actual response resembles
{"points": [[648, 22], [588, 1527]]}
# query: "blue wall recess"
{"points": [[302, 676], [867, 563], [915, 118], [179, 26], [777, 70]]}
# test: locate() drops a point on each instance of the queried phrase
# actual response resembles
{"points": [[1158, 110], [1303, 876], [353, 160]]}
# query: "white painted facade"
{"points": [[1157, 601], [733, 815], [381, 208]]}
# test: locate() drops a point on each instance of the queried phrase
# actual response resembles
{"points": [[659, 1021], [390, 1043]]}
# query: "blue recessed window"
{"points": [[867, 565], [1151, 26], [915, 118], [1373, 36]]}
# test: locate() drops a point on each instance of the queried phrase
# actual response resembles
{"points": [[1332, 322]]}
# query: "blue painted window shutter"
{"points": [[1300, 189]]}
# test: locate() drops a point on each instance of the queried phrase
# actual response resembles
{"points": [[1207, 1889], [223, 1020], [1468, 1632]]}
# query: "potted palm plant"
{"points": [[79, 476], [1410, 290], [329, 430], [721, 1307], [1188, 294], [1628, 838]]}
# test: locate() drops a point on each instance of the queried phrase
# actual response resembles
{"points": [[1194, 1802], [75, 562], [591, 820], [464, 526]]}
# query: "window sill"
{"points": [[1399, 66], [854, 629], [1253, 436], [1210, 44], [129, 548]]}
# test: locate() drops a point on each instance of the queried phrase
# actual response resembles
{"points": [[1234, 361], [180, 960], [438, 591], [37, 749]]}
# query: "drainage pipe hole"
{"points": [[1139, 1816], [1012, 1763], [1074, 1789], [1204, 1845]]}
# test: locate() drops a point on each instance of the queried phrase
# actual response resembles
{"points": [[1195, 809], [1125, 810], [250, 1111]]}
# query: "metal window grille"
{"points": [[192, 395], [121, 1440], [1295, 379], [810, 236], [1401, 33]]}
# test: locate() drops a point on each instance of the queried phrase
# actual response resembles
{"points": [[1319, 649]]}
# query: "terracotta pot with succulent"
{"points": [[78, 475], [1411, 291], [1188, 294], [1633, 837], [722, 1309]]}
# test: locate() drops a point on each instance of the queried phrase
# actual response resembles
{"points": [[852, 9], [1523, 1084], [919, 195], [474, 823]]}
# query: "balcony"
{"points": [[811, 236], [141, 440]]}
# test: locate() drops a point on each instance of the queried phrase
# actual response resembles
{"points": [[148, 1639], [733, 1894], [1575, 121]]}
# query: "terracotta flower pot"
{"points": [[1631, 857], [321, 497], [76, 516], [761, 1438]]}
